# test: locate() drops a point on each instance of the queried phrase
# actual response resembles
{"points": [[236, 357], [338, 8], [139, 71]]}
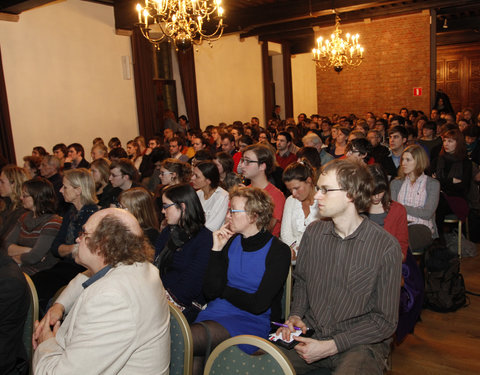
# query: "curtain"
{"points": [[267, 83], [186, 65], [148, 118], [7, 150], [287, 79]]}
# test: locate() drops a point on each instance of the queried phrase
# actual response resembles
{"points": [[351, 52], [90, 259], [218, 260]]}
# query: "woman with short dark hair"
{"points": [[182, 249], [29, 241]]}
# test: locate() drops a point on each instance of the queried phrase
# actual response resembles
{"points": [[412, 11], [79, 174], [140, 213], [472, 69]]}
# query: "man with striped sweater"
{"points": [[347, 280]]}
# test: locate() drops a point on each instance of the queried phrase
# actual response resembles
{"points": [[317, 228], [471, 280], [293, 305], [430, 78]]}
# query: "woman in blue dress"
{"points": [[245, 276]]}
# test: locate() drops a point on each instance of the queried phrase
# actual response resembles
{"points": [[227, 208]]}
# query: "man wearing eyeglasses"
{"points": [[257, 163], [347, 280], [117, 316]]}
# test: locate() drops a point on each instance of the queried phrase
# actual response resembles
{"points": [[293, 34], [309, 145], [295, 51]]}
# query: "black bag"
{"points": [[444, 284]]}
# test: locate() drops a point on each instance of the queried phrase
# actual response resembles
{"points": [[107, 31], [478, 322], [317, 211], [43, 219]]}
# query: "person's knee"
{"points": [[363, 360]]}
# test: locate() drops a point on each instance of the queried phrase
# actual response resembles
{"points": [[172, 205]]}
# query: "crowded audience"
{"points": [[228, 210]]}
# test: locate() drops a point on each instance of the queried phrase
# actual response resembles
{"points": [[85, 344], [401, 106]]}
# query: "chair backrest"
{"points": [[228, 358], [287, 295], [31, 317], [181, 343]]}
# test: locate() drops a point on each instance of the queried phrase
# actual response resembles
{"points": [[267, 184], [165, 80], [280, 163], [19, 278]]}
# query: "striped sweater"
{"points": [[37, 233]]}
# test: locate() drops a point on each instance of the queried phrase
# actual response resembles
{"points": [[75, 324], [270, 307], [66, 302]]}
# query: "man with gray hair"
{"points": [[313, 140], [117, 316]]}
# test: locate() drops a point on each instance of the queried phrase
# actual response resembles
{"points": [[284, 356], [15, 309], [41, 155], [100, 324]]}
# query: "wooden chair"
{"points": [[181, 343], [227, 358], [454, 219], [32, 316]]}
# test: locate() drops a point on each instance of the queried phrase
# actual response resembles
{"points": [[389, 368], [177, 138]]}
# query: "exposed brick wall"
{"points": [[397, 59]]}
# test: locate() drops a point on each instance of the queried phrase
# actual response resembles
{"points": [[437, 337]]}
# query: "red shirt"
{"points": [[285, 161], [236, 159], [279, 202]]}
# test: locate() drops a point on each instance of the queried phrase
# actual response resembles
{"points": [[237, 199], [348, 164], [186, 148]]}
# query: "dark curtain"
{"points": [[7, 150], [287, 79], [186, 65], [148, 116], [267, 92]]}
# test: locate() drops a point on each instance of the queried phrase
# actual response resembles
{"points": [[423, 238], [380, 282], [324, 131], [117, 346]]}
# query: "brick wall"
{"points": [[397, 59]]}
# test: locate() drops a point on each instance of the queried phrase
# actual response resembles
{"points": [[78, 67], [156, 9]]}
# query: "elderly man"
{"points": [[313, 140], [117, 319], [347, 280]]}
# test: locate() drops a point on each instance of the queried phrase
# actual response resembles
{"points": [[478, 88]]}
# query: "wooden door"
{"points": [[458, 75]]}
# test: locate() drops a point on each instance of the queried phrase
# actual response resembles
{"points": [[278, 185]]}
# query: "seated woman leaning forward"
{"points": [[245, 276]]}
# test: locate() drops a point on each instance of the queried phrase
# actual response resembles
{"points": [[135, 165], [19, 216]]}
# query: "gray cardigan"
{"points": [[427, 212]]}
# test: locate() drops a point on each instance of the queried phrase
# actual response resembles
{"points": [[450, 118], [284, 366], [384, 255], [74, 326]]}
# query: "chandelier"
{"points": [[181, 21], [338, 52]]}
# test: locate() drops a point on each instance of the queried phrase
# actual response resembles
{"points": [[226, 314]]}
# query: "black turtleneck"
{"points": [[270, 290]]}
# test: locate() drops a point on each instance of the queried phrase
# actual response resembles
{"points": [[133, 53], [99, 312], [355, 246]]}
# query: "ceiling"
{"points": [[292, 21]]}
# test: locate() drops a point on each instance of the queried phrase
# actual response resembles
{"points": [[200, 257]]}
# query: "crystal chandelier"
{"points": [[181, 21], [337, 52]]}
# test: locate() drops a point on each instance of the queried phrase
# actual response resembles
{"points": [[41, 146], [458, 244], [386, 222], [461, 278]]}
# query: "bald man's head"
{"points": [[116, 236], [126, 218]]}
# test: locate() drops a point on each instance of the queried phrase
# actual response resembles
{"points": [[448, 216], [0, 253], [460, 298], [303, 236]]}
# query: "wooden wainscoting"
{"points": [[458, 75]]}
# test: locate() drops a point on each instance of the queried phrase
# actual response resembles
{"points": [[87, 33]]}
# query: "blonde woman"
{"points": [[11, 181], [419, 194], [79, 190]]}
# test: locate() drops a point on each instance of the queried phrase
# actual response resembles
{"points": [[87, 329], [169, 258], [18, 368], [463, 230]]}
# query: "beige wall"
{"points": [[229, 80], [63, 72], [304, 84]]}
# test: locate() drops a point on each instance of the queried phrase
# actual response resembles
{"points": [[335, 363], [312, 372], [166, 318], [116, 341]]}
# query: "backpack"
{"points": [[444, 284]]}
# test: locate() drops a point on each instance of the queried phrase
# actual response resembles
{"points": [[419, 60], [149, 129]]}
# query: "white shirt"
{"points": [[294, 221], [215, 208]]}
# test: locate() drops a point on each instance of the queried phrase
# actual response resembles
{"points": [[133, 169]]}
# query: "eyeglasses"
{"points": [[233, 211], [324, 190], [165, 206], [164, 173], [248, 161]]}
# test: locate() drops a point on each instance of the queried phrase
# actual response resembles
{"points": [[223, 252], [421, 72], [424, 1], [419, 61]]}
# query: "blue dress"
{"points": [[245, 272]]}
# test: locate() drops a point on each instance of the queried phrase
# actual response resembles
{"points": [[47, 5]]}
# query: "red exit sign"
{"points": [[417, 91]]}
